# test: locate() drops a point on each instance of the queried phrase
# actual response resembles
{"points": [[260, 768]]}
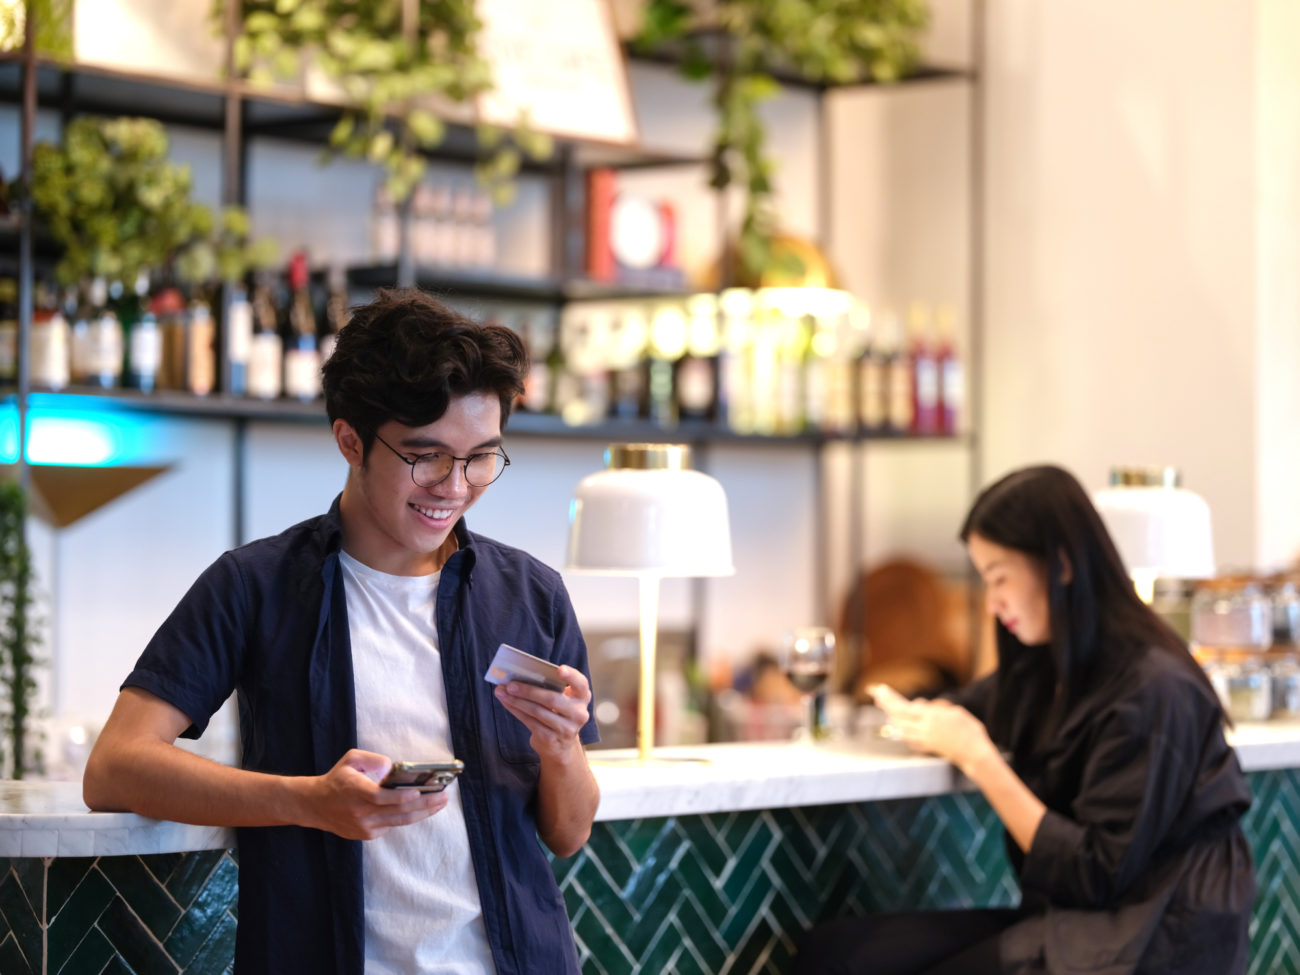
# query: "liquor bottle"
{"points": [[8, 330], [301, 354], [841, 357], [735, 383], [265, 352], [103, 354], [925, 371], [237, 329], [483, 230], [818, 350], [627, 373], [951, 376], [200, 347], [168, 307], [667, 343], [791, 350], [337, 311], [48, 346], [696, 379], [385, 226], [899, 375], [869, 383], [141, 340]]}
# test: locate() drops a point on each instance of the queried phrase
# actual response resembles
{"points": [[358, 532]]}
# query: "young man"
{"points": [[361, 637]]}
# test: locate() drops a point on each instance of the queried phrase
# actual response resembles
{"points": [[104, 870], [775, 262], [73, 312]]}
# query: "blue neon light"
{"points": [[71, 437]]}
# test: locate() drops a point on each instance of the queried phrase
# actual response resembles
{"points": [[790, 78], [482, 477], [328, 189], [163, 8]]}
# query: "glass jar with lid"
{"points": [[1231, 614], [1284, 672], [1244, 684], [1284, 595]]}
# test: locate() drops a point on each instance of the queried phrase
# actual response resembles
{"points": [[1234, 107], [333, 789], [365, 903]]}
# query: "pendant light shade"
{"points": [[1162, 530], [649, 514]]}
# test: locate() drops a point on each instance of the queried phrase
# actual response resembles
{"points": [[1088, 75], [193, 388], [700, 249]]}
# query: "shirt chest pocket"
{"points": [[512, 737]]}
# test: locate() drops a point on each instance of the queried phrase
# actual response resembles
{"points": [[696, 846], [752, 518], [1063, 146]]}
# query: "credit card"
{"points": [[511, 663]]}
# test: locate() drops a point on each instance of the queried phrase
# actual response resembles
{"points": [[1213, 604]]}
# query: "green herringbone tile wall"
{"points": [[162, 913], [731, 893], [714, 895]]}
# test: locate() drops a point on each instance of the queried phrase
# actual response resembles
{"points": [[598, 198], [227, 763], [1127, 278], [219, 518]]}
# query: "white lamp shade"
{"points": [[650, 523], [1160, 531]]}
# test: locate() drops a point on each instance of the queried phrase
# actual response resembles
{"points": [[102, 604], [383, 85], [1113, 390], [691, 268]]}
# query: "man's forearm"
{"points": [[161, 781], [567, 797]]}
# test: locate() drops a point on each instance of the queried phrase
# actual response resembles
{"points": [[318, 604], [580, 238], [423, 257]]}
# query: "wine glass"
{"points": [[807, 656]]}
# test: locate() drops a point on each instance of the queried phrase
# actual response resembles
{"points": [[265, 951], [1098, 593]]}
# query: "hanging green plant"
{"points": [[113, 200], [20, 750], [744, 45], [53, 20], [229, 253], [393, 60]]}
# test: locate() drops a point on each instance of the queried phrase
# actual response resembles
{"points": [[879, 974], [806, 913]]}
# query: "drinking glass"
{"points": [[807, 657]]}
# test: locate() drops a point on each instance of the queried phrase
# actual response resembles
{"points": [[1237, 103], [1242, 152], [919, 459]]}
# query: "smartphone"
{"points": [[423, 776], [511, 663]]}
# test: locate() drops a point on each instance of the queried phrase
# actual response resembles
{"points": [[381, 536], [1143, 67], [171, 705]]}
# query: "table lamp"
{"points": [[648, 515], [1160, 528]]}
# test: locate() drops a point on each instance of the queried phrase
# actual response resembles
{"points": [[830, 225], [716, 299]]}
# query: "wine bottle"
{"points": [[48, 342], [200, 348], [696, 379], [301, 353], [627, 372], [103, 339], [8, 330], [925, 371], [141, 340], [668, 330], [266, 350], [951, 378], [899, 376], [337, 310], [237, 328]]}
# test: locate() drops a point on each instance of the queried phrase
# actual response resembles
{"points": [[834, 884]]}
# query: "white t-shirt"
{"points": [[422, 906]]}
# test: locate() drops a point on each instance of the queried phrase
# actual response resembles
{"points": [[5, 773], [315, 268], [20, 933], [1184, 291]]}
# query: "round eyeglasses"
{"points": [[427, 470]]}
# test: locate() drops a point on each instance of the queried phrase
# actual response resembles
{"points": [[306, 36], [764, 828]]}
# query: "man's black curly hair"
{"points": [[405, 355]]}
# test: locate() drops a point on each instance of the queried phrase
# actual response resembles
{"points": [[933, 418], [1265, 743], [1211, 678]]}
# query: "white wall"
{"points": [[1123, 197]]}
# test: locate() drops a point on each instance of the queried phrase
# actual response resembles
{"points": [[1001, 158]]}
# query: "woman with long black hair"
{"points": [[1099, 743]]}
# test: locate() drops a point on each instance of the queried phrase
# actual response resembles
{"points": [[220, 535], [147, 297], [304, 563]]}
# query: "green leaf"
{"points": [[381, 145], [427, 129]]}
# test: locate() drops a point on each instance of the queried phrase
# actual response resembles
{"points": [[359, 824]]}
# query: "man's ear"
{"points": [[349, 443]]}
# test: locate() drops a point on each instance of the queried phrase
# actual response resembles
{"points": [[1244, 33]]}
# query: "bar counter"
{"points": [[708, 866]]}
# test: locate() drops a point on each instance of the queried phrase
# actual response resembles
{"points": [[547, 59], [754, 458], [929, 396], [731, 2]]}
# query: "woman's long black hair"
{"points": [[1096, 617]]}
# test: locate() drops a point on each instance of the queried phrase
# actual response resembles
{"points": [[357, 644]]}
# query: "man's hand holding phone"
{"points": [[349, 801]]}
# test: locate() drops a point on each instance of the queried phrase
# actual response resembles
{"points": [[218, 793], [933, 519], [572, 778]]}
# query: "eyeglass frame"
{"points": [[464, 461]]}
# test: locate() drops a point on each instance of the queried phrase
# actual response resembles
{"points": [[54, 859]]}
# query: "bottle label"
{"points": [[8, 349], [146, 349], [301, 373], [200, 357], [104, 350], [952, 392], [900, 412], [695, 385], [49, 350], [871, 393], [239, 331], [264, 379]]}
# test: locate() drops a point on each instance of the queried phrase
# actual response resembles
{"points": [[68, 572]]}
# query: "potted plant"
{"points": [[391, 62], [19, 641], [744, 46]]}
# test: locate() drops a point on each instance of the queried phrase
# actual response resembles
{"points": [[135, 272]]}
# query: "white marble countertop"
{"points": [[41, 819]]}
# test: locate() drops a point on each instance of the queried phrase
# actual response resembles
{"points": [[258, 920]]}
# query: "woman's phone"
{"points": [[422, 776]]}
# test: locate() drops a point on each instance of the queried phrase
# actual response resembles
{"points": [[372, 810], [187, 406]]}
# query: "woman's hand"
{"points": [[939, 727]]}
